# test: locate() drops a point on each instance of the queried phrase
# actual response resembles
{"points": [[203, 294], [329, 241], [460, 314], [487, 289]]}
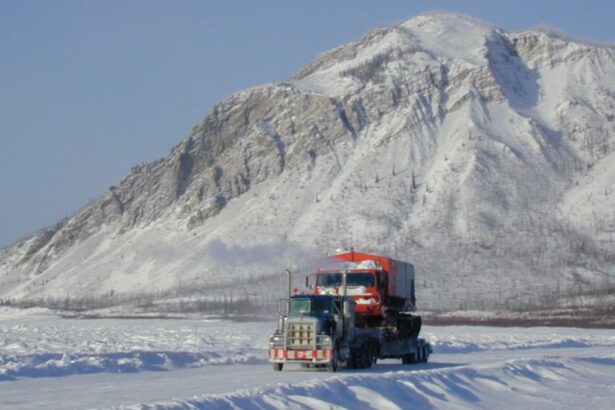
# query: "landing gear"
{"points": [[278, 367]]}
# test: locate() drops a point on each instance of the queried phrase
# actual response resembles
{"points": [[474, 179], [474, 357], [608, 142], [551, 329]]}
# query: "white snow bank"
{"points": [[539, 383], [56, 347], [466, 339]]}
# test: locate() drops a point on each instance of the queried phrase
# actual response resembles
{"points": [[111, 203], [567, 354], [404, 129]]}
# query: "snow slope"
{"points": [[485, 157], [48, 362]]}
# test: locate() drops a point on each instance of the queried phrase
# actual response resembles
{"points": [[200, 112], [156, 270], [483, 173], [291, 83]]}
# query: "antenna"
{"points": [[289, 289]]}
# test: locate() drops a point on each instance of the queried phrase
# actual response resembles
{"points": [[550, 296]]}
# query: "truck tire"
{"points": [[364, 357], [424, 355], [278, 367], [355, 359], [408, 358], [332, 365], [369, 357], [375, 354]]}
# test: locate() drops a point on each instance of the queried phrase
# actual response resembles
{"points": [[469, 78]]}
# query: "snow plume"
{"points": [[277, 255]]}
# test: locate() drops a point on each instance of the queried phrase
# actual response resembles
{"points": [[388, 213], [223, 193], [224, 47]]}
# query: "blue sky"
{"points": [[90, 88]]}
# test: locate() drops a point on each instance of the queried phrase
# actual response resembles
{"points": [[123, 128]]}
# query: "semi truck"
{"points": [[359, 309]]}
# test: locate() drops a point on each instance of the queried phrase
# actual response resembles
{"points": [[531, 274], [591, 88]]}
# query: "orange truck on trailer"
{"points": [[381, 286]]}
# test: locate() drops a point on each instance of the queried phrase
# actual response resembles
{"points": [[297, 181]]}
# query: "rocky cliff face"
{"points": [[485, 157]]}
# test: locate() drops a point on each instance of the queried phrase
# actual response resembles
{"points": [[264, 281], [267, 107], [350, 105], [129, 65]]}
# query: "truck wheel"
{"points": [[424, 355], [351, 363], [365, 357], [408, 358], [278, 367], [369, 357], [375, 354], [356, 359], [332, 366]]}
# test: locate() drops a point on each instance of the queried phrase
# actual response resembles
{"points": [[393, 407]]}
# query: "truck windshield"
{"points": [[313, 306], [360, 279], [329, 280]]}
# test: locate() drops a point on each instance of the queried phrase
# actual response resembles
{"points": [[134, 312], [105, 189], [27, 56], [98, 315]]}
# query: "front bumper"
{"points": [[299, 356]]}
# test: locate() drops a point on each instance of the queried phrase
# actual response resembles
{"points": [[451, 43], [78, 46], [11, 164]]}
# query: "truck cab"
{"points": [[314, 331], [365, 286], [382, 287]]}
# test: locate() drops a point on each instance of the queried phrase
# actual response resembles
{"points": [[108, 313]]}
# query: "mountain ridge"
{"points": [[438, 140]]}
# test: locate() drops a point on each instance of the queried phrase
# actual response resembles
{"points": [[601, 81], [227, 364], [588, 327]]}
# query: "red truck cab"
{"points": [[380, 286], [363, 285]]}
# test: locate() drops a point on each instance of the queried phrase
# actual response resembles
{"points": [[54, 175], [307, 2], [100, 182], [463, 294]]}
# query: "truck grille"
{"points": [[300, 335]]}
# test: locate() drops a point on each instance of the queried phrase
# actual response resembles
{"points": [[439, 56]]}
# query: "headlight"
{"points": [[323, 340], [276, 340]]}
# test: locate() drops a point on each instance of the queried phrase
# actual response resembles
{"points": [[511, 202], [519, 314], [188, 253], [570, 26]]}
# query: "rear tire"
{"points": [[278, 367], [363, 357], [424, 354], [355, 359], [408, 358], [369, 357], [332, 366]]}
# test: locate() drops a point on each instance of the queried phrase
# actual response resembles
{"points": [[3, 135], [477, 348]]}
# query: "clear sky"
{"points": [[90, 88]]}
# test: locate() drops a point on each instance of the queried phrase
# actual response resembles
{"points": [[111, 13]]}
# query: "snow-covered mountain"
{"points": [[485, 157]]}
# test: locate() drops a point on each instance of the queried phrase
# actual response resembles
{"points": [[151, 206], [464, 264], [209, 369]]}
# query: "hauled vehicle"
{"points": [[382, 287], [359, 311]]}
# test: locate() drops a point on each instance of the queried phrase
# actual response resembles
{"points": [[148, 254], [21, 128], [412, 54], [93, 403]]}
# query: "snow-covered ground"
{"points": [[49, 362]]}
